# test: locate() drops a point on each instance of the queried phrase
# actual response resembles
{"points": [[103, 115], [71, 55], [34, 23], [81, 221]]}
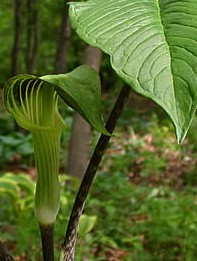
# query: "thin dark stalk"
{"points": [[68, 247], [46, 232]]}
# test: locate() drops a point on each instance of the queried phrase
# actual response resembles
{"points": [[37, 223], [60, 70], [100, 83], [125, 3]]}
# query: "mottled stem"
{"points": [[68, 247]]}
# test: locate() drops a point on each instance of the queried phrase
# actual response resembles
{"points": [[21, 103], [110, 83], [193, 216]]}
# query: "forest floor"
{"points": [[142, 206]]}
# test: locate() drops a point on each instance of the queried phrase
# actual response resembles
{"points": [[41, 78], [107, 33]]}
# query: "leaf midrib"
{"points": [[168, 46]]}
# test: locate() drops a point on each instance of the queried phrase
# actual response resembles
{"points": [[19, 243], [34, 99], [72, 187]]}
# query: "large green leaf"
{"points": [[152, 45]]}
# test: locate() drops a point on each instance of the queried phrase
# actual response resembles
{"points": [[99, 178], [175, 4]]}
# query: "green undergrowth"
{"points": [[142, 205], [123, 220], [141, 222]]}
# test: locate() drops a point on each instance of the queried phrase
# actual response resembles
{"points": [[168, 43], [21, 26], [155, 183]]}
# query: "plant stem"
{"points": [[46, 232], [68, 247]]}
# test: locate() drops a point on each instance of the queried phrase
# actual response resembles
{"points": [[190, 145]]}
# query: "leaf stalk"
{"points": [[47, 242], [68, 246]]}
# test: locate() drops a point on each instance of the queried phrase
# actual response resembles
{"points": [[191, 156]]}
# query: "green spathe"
{"points": [[47, 198], [33, 102], [152, 45], [34, 106]]}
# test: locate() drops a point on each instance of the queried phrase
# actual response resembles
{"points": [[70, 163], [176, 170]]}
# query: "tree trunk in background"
{"points": [[29, 35], [33, 35], [15, 55], [64, 38], [80, 136], [17, 37]]}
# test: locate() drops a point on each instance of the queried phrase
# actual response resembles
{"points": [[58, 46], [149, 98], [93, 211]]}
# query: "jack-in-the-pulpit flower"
{"points": [[33, 104]]}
